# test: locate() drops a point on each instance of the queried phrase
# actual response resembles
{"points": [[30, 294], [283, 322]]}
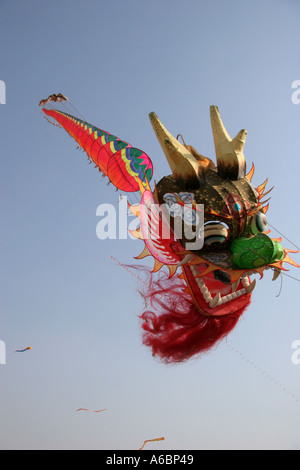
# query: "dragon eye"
{"points": [[215, 233], [259, 223]]}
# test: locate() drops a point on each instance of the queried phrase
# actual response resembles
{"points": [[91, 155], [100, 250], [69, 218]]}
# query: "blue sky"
{"points": [[62, 294]]}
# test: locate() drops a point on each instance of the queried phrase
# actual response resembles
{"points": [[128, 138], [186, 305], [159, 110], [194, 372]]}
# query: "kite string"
{"points": [[284, 236], [296, 246], [281, 284], [263, 372]]}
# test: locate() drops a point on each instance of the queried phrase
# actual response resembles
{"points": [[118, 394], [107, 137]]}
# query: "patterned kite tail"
{"points": [[116, 159]]}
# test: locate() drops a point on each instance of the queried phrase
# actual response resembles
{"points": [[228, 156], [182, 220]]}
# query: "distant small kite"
{"points": [[91, 411], [22, 350], [152, 440]]}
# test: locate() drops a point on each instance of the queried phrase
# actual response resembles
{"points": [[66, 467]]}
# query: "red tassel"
{"points": [[173, 327]]}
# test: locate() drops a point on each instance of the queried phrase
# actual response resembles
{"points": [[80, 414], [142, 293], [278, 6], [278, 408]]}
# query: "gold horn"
{"points": [[185, 167], [231, 161]]}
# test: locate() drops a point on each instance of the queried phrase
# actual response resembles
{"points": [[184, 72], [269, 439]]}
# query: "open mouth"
{"points": [[214, 294]]}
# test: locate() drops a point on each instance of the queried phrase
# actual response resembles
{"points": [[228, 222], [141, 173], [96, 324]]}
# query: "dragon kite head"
{"points": [[217, 218]]}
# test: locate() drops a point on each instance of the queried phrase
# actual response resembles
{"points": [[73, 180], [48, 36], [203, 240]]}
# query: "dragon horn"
{"points": [[185, 167], [231, 161]]}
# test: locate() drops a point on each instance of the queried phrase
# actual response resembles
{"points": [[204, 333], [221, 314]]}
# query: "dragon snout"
{"points": [[255, 252]]}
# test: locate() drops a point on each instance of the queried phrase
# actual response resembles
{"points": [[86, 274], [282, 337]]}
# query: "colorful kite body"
{"points": [[208, 286], [22, 350], [117, 159], [152, 440]]}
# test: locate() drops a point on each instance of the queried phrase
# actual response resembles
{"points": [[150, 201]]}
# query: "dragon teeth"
{"points": [[204, 290], [251, 287], [235, 285], [277, 273], [245, 281], [214, 302]]}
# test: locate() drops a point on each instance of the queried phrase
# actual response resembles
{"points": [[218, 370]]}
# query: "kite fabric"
{"points": [[152, 440], [116, 159], [204, 226]]}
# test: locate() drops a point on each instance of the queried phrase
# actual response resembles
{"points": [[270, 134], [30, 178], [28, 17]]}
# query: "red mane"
{"points": [[172, 325]]}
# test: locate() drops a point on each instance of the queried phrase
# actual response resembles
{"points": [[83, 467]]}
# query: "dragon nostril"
{"points": [[222, 276]]}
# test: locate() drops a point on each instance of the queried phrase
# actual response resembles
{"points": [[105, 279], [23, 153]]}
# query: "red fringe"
{"points": [[172, 325]]}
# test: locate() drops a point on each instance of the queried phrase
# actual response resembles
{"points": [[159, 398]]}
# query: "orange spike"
{"points": [[144, 253], [157, 266], [259, 207], [235, 275], [210, 268], [265, 209], [135, 209], [264, 194], [172, 269], [141, 186], [137, 234], [260, 189], [249, 175], [277, 239], [148, 187], [278, 265], [288, 259]]}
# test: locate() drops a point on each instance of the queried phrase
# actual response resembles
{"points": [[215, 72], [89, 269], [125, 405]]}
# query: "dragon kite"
{"points": [[205, 222]]}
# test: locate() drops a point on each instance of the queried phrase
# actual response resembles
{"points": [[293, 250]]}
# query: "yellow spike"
{"points": [[278, 265], [260, 189], [210, 268], [137, 234], [279, 240], [235, 275], [147, 184], [135, 209], [264, 194], [183, 164], [141, 186], [172, 269], [231, 161], [144, 253], [265, 209], [289, 260]]}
